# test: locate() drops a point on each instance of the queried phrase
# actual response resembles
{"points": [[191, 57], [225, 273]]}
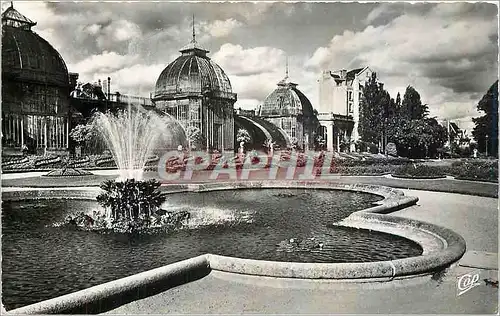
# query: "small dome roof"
{"points": [[193, 73], [286, 100], [26, 55]]}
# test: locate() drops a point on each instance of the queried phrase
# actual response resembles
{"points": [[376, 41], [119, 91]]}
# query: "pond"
{"points": [[42, 260]]}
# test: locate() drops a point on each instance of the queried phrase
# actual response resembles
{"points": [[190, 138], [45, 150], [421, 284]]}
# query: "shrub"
{"points": [[131, 206], [362, 170], [475, 170], [420, 171], [131, 198]]}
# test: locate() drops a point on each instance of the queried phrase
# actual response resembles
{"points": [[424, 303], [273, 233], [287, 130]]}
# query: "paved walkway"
{"points": [[475, 218], [31, 179]]}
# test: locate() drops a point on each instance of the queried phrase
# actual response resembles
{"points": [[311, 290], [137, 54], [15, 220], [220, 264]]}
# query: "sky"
{"points": [[447, 51]]}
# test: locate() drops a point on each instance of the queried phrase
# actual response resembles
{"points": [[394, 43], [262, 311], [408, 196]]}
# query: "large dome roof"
{"points": [[192, 73], [28, 57], [286, 100]]}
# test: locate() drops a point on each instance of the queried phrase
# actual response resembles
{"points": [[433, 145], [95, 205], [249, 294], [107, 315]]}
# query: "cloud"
{"points": [[256, 87], [253, 72], [253, 89], [110, 33], [138, 79], [386, 12], [102, 63], [220, 28], [236, 60], [403, 46]]}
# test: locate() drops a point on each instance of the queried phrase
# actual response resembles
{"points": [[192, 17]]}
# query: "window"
{"points": [[171, 111], [194, 112], [287, 124], [350, 95], [183, 112], [350, 107], [293, 131]]}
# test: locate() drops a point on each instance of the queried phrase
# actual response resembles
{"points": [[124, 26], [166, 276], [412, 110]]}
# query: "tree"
{"points": [[194, 137], [372, 111], [409, 127], [388, 115], [420, 137], [412, 106], [392, 120], [83, 134], [485, 131], [398, 101], [242, 136], [439, 136]]}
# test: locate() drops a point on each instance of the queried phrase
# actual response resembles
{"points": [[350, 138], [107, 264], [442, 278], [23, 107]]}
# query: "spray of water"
{"points": [[132, 135]]}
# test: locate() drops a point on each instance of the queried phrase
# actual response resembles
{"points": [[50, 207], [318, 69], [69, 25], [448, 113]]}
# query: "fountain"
{"points": [[132, 135], [131, 204]]}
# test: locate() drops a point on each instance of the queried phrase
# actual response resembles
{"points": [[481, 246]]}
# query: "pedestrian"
{"points": [[24, 149]]}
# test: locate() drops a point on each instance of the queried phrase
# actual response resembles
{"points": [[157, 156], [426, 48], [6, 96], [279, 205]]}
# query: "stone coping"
{"points": [[109, 295], [406, 176], [441, 248]]}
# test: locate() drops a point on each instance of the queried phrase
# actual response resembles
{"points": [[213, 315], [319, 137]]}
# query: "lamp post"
{"points": [[486, 145]]}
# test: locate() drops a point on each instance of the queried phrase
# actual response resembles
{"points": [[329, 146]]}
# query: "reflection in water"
{"points": [[42, 261]]}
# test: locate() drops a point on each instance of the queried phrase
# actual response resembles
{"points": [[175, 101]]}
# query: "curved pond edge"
{"points": [[441, 248]]}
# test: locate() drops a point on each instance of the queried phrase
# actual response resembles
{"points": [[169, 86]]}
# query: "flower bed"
{"points": [[371, 161], [16, 161], [479, 170], [68, 172], [47, 161], [152, 159], [419, 171], [362, 170], [80, 163], [105, 162]]}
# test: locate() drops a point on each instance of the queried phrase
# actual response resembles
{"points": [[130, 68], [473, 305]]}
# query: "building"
{"points": [[340, 94], [35, 89], [289, 109], [456, 135], [197, 92]]}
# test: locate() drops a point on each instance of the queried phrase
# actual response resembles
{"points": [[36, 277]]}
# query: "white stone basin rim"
{"points": [[110, 295]]}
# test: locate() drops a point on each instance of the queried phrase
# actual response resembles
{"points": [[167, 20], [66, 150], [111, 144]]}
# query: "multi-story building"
{"points": [[340, 93]]}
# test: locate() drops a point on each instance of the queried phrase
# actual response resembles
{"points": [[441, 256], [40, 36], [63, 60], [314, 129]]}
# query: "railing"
{"points": [[119, 98], [330, 115], [123, 98]]}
